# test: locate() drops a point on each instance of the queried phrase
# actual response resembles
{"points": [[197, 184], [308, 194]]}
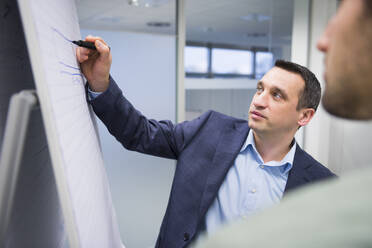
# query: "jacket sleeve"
{"points": [[135, 132]]}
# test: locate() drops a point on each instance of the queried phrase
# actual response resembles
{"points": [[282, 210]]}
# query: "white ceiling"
{"points": [[235, 22]]}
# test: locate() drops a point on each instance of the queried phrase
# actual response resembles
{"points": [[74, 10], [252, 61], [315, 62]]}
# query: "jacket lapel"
{"points": [[298, 175], [228, 148]]}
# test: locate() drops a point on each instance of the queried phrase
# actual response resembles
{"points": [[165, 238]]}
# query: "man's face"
{"points": [[273, 108], [347, 44]]}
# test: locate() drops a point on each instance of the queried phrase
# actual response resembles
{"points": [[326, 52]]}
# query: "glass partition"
{"points": [[196, 59], [232, 61]]}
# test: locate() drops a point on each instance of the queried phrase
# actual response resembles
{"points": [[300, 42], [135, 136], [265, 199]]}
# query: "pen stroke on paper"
{"points": [[75, 73], [58, 32], [76, 70]]}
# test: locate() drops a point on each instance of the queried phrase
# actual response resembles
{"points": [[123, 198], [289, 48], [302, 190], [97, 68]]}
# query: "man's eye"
{"points": [[277, 95], [259, 89]]}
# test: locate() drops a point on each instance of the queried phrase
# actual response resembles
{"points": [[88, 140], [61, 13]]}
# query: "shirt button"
{"points": [[186, 237], [253, 190], [262, 166]]}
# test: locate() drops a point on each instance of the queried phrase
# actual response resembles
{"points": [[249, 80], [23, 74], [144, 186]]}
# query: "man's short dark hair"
{"points": [[310, 96]]}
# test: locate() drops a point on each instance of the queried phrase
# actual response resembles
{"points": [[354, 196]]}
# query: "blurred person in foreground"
{"points": [[333, 213]]}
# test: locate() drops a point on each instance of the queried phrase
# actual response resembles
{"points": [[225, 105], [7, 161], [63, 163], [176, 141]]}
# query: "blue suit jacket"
{"points": [[205, 149]]}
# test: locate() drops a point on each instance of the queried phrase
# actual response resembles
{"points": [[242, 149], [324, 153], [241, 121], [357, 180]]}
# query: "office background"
{"points": [[143, 38]]}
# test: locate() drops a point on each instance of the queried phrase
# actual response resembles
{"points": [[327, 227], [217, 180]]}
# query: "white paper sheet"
{"points": [[81, 178]]}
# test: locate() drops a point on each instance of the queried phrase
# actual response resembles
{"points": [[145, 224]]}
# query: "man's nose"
{"points": [[322, 43], [260, 100]]}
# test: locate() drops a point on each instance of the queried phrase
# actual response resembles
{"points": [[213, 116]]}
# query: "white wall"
{"points": [[228, 96], [144, 68], [232, 102]]}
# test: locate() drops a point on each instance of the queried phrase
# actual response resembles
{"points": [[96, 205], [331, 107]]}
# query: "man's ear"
{"points": [[306, 115]]}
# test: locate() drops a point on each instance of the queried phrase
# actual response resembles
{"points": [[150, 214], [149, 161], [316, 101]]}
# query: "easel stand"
{"points": [[20, 108]]}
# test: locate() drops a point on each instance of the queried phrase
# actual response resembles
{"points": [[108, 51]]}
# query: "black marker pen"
{"points": [[85, 44]]}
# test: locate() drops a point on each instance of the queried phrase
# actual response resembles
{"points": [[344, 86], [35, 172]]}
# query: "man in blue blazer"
{"points": [[227, 168]]}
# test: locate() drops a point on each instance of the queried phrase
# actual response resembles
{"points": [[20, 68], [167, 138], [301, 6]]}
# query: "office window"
{"points": [[196, 59], [231, 61], [264, 62]]}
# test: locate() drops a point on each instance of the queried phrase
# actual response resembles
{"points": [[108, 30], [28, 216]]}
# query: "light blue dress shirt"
{"points": [[250, 186]]}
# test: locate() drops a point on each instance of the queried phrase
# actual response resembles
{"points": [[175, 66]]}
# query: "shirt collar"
{"points": [[248, 141], [287, 161], [288, 158]]}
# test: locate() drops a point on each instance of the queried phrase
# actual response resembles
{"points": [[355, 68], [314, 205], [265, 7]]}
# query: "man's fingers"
{"points": [[81, 55], [78, 54], [91, 38], [101, 40], [84, 51], [102, 48]]}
